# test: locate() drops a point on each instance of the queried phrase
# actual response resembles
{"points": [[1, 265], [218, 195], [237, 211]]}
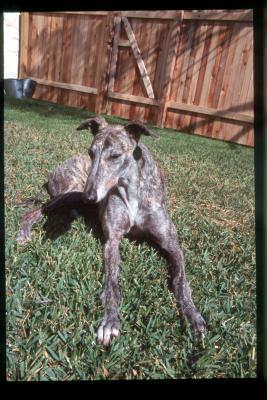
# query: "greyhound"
{"points": [[123, 178]]}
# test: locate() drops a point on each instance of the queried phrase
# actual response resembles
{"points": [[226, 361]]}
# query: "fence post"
{"points": [[113, 58], [170, 54], [103, 63], [24, 44]]}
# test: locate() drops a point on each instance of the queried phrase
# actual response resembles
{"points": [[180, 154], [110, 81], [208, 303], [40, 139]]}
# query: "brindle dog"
{"points": [[124, 179]]}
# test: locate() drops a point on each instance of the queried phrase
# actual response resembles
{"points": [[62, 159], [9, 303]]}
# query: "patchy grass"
{"points": [[53, 286]]}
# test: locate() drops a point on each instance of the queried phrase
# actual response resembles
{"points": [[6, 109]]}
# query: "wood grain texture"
{"points": [[24, 44], [140, 62], [192, 73], [103, 60], [170, 54], [114, 55], [220, 15]]}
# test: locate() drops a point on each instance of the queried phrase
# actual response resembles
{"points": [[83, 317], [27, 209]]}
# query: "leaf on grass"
{"points": [[62, 337], [170, 372], [52, 353], [214, 339], [49, 373], [22, 370], [36, 368]]}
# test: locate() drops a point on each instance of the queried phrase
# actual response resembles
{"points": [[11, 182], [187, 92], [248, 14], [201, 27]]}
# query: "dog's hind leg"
{"points": [[28, 219]]}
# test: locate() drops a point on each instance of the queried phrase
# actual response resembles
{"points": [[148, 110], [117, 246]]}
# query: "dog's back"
{"points": [[69, 176]]}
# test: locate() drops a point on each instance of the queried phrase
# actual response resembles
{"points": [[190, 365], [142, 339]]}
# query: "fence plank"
{"points": [[164, 14], [246, 47], [47, 51], [133, 98], [248, 77], [114, 55], [53, 69], [199, 43], [37, 55], [219, 127], [192, 71], [172, 44], [24, 45], [70, 86], [218, 15], [103, 63], [187, 72], [78, 13], [224, 114], [31, 67], [232, 76]]}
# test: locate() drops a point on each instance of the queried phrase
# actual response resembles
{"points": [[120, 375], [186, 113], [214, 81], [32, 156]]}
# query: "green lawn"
{"points": [[53, 285]]}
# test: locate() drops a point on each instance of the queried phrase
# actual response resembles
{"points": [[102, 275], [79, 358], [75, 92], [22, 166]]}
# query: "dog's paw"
{"points": [[108, 330], [197, 324], [23, 237]]}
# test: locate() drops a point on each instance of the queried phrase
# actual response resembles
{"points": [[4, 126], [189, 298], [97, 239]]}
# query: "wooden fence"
{"points": [[189, 71]]}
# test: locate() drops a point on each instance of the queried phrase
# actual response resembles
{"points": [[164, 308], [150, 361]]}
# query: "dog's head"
{"points": [[112, 150]]}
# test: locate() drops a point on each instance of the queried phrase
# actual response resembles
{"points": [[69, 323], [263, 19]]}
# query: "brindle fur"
{"points": [[126, 182], [67, 178]]}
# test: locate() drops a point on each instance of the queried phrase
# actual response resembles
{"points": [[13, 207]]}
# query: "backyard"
{"points": [[53, 284]]}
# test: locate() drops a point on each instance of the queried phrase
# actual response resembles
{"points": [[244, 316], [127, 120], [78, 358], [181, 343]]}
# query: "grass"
{"points": [[53, 286]]}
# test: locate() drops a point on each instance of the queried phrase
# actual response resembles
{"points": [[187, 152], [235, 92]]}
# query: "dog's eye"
{"points": [[115, 155]]}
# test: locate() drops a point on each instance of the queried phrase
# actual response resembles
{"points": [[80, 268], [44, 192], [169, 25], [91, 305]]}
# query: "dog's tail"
{"points": [[37, 199]]}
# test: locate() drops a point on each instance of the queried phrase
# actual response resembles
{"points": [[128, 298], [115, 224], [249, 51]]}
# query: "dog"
{"points": [[122, 177]]}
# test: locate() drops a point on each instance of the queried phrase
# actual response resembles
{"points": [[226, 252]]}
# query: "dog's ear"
{"points": [[95, 124], [136, 129]]}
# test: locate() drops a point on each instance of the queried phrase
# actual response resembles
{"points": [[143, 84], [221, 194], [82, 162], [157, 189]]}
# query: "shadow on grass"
{"points": [[59, 221], [45, 108], [57, 111]]}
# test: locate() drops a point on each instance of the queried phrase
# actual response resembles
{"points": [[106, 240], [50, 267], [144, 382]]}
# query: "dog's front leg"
{"points": [[109, 327], [164, 233]]}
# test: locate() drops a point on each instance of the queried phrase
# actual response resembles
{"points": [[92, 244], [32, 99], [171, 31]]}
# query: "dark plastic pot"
{"points": [[19, 88], [29, 86]]}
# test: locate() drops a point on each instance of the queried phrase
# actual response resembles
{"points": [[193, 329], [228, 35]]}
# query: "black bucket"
{"points": [[19, 88]]}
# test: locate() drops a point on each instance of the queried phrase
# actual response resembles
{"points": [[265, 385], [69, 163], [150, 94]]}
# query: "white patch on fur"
{"points": [[100, 194], [105, 334]]}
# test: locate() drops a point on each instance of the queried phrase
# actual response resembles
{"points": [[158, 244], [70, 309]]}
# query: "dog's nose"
{"points": [[89, 197]]}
